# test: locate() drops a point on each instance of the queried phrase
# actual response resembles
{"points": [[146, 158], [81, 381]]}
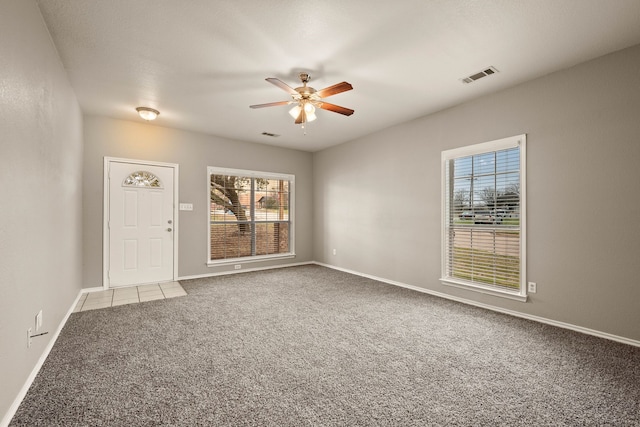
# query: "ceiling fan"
{"points": [[307, 99]]}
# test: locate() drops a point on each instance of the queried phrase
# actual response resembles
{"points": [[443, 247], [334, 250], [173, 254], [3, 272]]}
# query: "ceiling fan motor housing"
{"points": [[306, 92]]}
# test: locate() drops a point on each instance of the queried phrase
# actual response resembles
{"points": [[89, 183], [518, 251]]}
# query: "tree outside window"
{"points": [[249, 214]]}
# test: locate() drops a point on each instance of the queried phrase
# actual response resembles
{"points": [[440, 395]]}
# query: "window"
{"points": [[483, 242], [250, 215], [142, 179]]}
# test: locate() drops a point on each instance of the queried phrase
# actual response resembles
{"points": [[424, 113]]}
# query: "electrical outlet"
{"points": [[532, 288], [237, 266], [38, 320], [29, 338], [334, 251]]}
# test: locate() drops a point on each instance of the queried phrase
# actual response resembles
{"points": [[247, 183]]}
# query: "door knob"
{"points": [[168, 229]]}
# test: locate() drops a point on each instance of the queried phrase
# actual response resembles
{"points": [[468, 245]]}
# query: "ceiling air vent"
{"points": [[273, 135], [484, 73]]}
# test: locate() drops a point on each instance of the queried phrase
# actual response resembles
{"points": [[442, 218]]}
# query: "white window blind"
{"points": [[484, 217], [250, 215]]}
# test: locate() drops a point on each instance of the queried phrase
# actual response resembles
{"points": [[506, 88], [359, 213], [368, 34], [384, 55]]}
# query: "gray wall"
{"points": [[583, 129], [40, 192], [193, 152]]}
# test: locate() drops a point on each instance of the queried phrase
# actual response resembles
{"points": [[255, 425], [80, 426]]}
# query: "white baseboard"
{"points": [[539, 319], [34, 372], [224, 273]]}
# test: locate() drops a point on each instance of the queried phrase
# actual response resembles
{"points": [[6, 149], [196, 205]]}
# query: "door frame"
{"points": [[105, 216]]}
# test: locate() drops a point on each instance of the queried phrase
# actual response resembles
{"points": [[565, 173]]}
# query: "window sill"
{"points": [[517, 296], [245, 260]]}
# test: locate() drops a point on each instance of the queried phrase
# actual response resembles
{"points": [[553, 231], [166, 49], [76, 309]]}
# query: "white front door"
{"points": [[140, 223]]}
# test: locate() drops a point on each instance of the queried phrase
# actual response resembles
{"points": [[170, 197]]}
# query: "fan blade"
{"points": [[282, 85], [270, 104], [302, 117], [336, 108], [333, 90]]}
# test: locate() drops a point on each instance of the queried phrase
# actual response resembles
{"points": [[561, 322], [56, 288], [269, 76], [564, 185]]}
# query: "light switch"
{"points": [[186, 206]]}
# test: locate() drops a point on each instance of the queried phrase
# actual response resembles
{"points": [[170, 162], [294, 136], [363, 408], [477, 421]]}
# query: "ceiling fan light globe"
{"points": [[309, 108], [295, 111]]}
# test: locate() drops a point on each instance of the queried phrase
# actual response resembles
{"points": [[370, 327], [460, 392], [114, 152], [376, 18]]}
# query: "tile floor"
{"points": [[130, 295]]}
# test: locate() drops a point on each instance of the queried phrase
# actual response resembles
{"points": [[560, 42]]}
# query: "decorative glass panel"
{"points": [[142, 179]]}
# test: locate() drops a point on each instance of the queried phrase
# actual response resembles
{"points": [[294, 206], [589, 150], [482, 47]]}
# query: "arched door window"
{"points": [[142, 179]]}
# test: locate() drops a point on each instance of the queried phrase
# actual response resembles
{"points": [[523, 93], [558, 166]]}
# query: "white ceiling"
{"points": [[203, 62]]}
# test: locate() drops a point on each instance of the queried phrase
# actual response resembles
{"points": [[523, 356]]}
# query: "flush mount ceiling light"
{"points": [[147, 113], [307, 99]]}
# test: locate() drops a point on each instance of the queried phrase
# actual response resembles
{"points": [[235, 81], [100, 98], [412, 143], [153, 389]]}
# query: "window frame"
{"points": [[214, 170], [474, 150]]}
